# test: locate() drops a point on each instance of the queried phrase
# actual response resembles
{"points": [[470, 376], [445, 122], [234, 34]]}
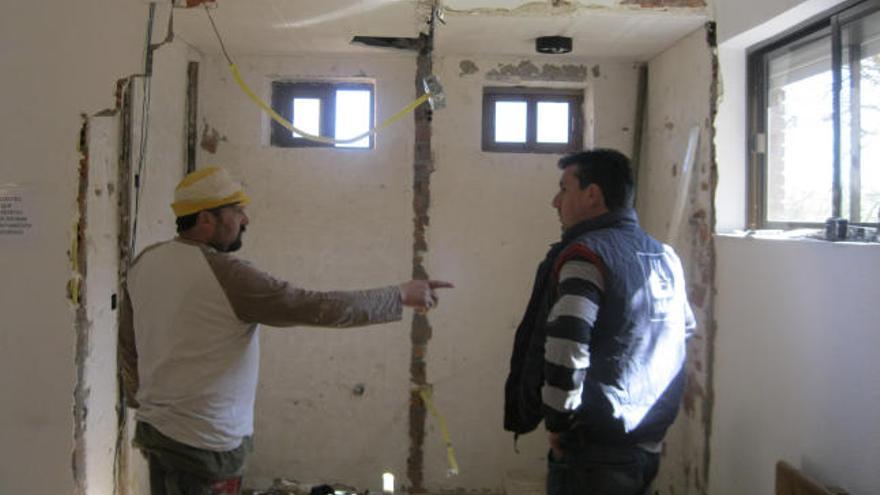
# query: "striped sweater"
{"points": [[567, 345]]}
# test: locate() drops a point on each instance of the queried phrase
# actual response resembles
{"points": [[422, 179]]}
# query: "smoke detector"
{"points": [[553, 44]]}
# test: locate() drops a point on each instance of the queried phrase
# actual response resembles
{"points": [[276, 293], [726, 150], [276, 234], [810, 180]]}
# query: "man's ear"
{"points": [[205, 218], [595, 195]]}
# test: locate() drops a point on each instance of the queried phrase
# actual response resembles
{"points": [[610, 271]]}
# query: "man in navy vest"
{"points": [[599, 355]]}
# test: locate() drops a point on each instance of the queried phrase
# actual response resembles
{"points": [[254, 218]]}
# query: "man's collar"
{"points": [[614, 217], [192, 242]]}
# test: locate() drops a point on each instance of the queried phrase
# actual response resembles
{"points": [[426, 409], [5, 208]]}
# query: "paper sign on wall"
{"points": [[16, 215]]}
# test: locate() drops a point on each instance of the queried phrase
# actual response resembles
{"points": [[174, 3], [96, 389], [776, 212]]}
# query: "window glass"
{"points": [[800, 139], [510, 121], [860, 119], [307, 116], [815, 122], [552, 122], [333, 110], [353, 116]]}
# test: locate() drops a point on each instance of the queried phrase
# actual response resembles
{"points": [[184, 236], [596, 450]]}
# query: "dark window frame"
{"points": [[531, 96], [283, 93], [826, 24]]}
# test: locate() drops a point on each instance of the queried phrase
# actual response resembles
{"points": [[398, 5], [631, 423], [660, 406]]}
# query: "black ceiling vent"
{"points": [[388, 42], [553, 44]]}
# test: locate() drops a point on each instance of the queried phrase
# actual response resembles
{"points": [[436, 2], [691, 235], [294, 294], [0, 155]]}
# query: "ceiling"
{"points": [[601, 29]]}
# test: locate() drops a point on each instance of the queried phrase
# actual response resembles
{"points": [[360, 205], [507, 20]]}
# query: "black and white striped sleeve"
{"points": [[566, 350]]}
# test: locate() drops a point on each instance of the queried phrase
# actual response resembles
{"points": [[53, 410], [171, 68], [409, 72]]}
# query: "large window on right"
{"points": [[814, 118]]}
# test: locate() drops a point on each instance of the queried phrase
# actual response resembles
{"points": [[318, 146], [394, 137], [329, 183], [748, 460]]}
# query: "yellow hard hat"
{"points": [[206, 188]]}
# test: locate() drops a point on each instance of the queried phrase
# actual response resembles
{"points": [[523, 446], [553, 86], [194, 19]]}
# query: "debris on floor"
{"points": [[283, 486]]}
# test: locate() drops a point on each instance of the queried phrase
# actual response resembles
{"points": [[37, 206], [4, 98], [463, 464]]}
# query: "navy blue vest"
{"points": [[635, 381]]}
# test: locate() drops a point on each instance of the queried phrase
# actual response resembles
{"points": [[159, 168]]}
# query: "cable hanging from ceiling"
{"points": [[433, 94]]}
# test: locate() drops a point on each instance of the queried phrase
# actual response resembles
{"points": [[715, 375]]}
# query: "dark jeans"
{"points": [[179, 469], [592, 469]]}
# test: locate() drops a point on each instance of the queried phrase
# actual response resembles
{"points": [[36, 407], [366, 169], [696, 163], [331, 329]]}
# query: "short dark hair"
{"points": [[607, 168], [187, 222]]}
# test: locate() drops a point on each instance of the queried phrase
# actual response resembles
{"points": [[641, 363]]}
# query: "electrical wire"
{"points": [[236, 74], [219, 38], [140, 177], [122, 419]]}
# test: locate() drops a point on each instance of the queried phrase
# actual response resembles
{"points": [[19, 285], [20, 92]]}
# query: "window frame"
{"points": [[829, 23], [531, 96], [283, 93]]}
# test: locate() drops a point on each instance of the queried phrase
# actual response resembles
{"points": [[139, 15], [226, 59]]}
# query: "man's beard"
{"points": [[232, 247], [235, 246]]}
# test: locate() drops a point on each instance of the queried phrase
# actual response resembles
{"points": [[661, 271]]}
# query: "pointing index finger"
{"points": [[440, 284]]}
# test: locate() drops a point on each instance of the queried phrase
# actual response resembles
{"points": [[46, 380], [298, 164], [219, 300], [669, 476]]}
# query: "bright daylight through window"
{"points": [[334, 110], [532, 120], [815, 122]]}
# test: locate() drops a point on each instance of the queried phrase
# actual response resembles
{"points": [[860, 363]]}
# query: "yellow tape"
{"points": [[311, 137], [426, 392]]}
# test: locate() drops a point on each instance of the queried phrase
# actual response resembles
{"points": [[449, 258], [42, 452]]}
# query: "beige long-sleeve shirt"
{"points": [[189, 346]]}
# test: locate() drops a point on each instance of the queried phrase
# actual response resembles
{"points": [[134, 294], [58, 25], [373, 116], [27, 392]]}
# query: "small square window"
{"points": [[532, 120], [334, 110]]}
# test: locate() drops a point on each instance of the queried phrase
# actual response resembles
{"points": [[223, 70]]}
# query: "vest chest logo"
{"points": [[659, 283]]}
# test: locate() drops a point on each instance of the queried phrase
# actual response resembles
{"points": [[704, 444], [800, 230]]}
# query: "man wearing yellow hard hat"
{"points": [[189, 340]]}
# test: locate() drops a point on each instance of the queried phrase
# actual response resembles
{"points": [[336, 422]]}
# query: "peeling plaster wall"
{"points": [[679, 98], [491, 224], [610, 91], [59, 60], [794, 373], [325, 219]]}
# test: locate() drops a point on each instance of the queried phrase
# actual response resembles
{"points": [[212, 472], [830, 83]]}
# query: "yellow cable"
{"points": [[426, 392], [311, 137]]}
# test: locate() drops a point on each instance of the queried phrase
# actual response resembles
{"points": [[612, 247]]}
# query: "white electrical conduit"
{"points": [[687, 171]]}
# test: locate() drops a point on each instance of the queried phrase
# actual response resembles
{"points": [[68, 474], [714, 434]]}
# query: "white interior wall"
{"points": [[325, 219], [60, 60], [795, 319], [679, 100], [795, 373]]}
